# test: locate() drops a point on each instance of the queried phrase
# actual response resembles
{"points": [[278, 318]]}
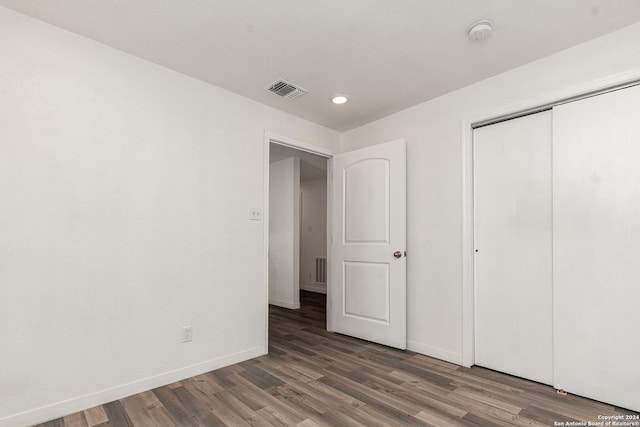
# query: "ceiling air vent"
{"points": [[285, 89]]}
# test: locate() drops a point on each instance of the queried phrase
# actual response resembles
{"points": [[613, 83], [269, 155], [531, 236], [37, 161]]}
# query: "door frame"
{"points": [[269, 138], [525, 107]]}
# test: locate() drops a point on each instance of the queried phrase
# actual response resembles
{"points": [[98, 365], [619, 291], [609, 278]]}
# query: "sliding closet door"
{"points": [[597, 247], [512, 237]]}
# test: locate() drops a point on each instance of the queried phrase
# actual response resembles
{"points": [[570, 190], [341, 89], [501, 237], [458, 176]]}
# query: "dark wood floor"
{"points": [[315, 378]]}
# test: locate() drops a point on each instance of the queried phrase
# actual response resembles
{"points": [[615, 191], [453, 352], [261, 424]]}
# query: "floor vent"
{"points": [[285, 89], [321, 270]]}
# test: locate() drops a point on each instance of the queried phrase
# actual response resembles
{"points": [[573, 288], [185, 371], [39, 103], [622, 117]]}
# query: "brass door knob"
{"points": [[397, 254]]}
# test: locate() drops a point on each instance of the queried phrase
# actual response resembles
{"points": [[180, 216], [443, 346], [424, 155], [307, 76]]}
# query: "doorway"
{"points": [[297, 222], [364, 270]]}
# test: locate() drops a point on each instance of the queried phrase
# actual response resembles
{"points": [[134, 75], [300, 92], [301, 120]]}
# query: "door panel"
{"points": [[367, 287], [512, 237], [596, 247], [366, 201], [366, 293]]}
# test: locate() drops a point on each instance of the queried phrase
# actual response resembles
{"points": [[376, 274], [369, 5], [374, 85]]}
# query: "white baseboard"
{"points": [[438, 353], [285, 304], [314, 287], [80, 403]]}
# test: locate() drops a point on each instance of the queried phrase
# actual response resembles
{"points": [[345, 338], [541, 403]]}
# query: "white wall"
{"points": [[313, 235], [434, 173], [284, 233], [125, 192]]}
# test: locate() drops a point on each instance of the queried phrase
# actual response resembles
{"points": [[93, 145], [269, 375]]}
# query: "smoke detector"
{"points": [[480, 31], [286, 89]]}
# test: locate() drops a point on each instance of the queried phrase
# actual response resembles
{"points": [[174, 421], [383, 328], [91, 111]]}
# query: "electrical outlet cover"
{"points": [[186, 334]]}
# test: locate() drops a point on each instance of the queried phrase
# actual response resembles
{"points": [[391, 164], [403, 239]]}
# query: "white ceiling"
{"points": [[386, 54], [312, 166], [308, 172]]}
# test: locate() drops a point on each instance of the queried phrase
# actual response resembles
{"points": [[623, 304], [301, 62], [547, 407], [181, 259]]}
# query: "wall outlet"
{"points": [[186, 334], [255, 214]]}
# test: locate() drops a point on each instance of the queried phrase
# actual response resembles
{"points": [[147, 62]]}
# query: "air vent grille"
{"points": [[321, 270], [285, 89]]}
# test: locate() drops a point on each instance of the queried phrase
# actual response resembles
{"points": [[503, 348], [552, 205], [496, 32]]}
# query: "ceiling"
{"points": [[387, 55], [312, 166]]}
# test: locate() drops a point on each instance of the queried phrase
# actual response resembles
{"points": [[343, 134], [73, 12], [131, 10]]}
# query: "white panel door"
{"points": [[597, 247], [367, 286], [512, 237]]}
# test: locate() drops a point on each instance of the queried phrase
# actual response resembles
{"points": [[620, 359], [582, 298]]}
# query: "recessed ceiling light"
{"points": [[339, 99], [480, 30]]}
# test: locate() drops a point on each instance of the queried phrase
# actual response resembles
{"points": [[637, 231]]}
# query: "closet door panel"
{"points": [[512, 236], [596, 247]]}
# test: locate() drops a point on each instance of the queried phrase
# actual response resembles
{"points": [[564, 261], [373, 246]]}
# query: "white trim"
{"points": [[559, 96], [285, 304], [298, 145], [265, 239], [467, 185], [271, 137], [329, 240], [468, 313], [435, 352], [76, 404]]}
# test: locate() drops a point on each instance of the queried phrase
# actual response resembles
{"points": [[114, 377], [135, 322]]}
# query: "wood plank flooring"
{"points": [[315, 378]]}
